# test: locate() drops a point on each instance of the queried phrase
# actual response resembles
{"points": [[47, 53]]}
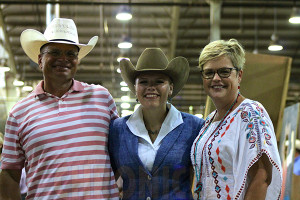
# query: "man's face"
{"points": [[58, 61]]}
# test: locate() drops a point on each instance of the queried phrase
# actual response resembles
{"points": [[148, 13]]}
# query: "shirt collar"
{"points": [[39, 91], [136, 124]]}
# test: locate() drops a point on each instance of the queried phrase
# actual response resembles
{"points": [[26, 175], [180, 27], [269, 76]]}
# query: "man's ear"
{"points": [[40, 61]]}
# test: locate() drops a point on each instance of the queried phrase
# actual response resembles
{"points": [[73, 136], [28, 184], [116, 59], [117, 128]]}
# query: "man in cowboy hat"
{"points": [[59, 131]]}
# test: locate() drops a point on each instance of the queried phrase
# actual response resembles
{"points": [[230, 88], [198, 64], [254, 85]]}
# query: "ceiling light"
{"points": [[124, 14], [4, 69], [27, 88], [125, 105], [295, 16], [121, 58], [122, 83], [18, 83], [125, 98], [274, 45], [125, 89], [118, 70], [125, 43]]}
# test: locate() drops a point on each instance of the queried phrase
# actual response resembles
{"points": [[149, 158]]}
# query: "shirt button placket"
{"points": [[149, 178]]}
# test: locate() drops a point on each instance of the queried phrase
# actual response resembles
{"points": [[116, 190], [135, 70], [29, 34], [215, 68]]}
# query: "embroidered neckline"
{"points": [[198, 172]]}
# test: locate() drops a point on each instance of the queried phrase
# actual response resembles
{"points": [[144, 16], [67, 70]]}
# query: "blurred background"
{"points": [[178, 27]]}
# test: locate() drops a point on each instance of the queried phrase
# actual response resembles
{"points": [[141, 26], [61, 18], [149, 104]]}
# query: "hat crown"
{"points": [[62, 29], [152, 59]]}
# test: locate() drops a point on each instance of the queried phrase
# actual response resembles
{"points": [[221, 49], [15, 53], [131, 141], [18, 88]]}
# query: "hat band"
{"points": [[62, 40]]}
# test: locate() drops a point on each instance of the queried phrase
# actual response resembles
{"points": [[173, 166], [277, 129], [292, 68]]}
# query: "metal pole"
{"points": [[52, 11], [215, 16]]}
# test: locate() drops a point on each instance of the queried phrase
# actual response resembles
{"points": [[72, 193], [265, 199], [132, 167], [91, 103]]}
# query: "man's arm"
{"points": [[9, 184], [260, 175]]}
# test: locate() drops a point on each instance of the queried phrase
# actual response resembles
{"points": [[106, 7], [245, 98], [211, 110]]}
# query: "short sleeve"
{"points": [[256, 136], [12, 156], [112, 107]]}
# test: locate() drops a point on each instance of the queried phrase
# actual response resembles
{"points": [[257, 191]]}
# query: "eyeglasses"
{"points": [[222, 72], [56, 53]]}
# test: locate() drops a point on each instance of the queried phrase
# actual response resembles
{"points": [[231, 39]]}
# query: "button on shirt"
{"points": [[146, 149]]}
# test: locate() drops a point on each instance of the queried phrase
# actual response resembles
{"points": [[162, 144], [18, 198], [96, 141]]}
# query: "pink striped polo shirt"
{"points": [[63, 143]]}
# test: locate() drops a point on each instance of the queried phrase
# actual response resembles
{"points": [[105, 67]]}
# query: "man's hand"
{"points": [[9, 184]]}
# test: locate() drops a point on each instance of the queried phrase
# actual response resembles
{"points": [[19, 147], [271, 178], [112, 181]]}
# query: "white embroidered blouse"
{"points": [[222, 158]]}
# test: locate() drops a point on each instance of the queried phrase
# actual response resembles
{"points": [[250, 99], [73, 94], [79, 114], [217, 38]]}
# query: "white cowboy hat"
{"points": [[154, 59], [60, 30]]}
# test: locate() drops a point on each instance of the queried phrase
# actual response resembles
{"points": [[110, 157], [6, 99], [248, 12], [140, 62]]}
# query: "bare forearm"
{"points": [[9, 188]]}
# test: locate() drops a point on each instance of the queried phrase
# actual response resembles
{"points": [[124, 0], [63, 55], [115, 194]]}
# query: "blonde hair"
{"points": [[231, 48]]}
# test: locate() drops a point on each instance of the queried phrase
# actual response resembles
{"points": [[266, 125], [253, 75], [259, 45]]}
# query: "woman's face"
{"points": [[221, 88], [153, 89]]}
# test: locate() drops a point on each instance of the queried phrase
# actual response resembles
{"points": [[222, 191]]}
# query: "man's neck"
{"points": [[58, 88]]}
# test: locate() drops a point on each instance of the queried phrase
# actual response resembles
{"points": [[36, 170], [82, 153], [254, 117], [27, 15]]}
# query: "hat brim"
{"points": [[32, 40], [177, 69]]}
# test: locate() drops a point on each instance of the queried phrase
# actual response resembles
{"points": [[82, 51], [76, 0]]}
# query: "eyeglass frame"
{"points": [[52, 52], [217, 71]]}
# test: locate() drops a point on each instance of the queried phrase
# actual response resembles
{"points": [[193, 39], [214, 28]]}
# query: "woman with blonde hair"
{"points": [[235, 155]]}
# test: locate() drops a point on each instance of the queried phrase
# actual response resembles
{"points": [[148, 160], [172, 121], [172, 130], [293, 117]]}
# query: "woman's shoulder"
{"points": [[256, 106], [250, 109]]}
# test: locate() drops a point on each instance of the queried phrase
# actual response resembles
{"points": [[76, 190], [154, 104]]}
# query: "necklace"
{"points": [[153, 132], [198, 171]]}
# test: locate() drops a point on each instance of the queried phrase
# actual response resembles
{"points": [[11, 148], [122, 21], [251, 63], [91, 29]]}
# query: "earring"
{"points": [[239, 87], [137, 100]]}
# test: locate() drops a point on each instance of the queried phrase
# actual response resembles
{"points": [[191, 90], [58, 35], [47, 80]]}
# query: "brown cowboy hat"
{"points": [[154, 59]]}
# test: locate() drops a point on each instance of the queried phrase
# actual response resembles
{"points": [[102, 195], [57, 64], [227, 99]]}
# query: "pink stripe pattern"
{"points": [[62, 142]]}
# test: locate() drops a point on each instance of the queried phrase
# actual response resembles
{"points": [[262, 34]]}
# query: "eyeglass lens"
{"points": [[222, 72]]}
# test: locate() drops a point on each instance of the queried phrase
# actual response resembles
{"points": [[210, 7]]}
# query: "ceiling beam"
{"points": [[228, 3], [174, 30]]}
